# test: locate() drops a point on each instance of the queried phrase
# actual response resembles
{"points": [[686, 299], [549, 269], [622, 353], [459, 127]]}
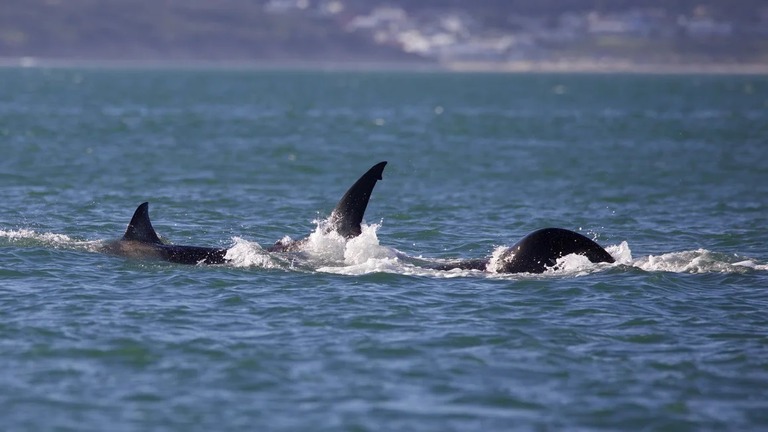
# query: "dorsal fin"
{"points": [[348, 214], [140, 228]]}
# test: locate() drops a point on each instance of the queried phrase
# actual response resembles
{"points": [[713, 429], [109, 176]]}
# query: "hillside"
{"points": [[150, 29], [684, 31]]}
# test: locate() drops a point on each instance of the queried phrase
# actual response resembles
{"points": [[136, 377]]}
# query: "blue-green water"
{"points": [[668, 172]]}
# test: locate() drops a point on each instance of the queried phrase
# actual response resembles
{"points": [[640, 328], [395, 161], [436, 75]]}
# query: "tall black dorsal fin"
{"points": [[140, 228], [348, 214]]}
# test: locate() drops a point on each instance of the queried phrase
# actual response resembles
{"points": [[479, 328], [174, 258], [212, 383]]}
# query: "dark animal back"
{"points": [[542, 248]]}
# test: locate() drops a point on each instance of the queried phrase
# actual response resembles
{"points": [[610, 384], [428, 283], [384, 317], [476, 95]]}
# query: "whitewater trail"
{"points": [[329, 252]]}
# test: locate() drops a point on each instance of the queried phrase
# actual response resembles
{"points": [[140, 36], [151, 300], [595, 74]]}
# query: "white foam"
{"points": [[324, 246], [695, 261], [621, 253], [494, 263], [33, 238], [569, 265], [27, 234], [363, 255], [328, 247], [751, 264], [395, 266], [329, 252], [573, 264], [384, 265], [366, 247], [245, 253]]}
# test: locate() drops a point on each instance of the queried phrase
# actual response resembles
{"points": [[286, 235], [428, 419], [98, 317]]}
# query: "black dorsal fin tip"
{"points": [[378, 170], [348, 213], [140, 228]]}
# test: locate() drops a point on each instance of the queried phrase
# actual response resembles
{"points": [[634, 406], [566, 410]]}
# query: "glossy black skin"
{"points": [[141, 241], [537, 251], [178, 254], [349, 211], [534, 253]]}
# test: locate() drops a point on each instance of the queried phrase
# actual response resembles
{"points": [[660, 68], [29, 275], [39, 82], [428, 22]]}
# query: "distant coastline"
{"points": [[616, 66], [282, 64], [491, 36], [522, 66]]}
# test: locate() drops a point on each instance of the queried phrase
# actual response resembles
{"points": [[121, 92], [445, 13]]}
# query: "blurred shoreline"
{"points": [[583, 66], [563, 66]]}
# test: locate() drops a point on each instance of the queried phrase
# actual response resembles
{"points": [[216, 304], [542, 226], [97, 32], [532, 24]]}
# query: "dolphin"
{"points": [[141, 241], [537, 251]]}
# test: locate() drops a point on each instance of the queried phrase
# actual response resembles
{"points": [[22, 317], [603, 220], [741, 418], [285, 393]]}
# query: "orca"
{"points": [[536, 252], [141, 241], [348, 214]]}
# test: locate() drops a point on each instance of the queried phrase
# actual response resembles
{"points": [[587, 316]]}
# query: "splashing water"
{"points": [[44, 238], [621, 253], [245, 253], [30, 237], [697, 261], [366, 247], [359, 255], [327, 251]]}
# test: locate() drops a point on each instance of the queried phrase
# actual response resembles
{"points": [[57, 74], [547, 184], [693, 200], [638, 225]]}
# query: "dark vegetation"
{"points": [[158, 29]]}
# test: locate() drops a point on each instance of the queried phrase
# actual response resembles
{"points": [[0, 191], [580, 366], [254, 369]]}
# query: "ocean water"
{"points": [[669, 173]]}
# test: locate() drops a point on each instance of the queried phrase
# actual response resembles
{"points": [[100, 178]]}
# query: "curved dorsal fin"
{"points": [[140, 228], [348, 213]]}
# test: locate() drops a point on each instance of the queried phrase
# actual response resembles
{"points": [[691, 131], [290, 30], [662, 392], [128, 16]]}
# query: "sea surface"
{"points": [[668, 172]]}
